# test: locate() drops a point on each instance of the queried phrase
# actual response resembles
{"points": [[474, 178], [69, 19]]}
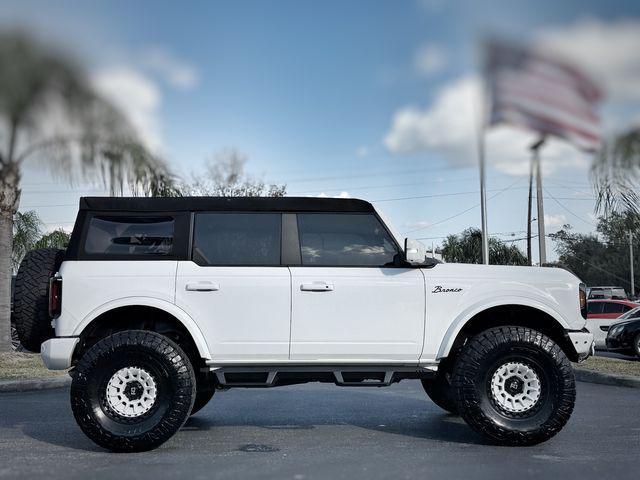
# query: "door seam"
{"points": [[290, 309]]}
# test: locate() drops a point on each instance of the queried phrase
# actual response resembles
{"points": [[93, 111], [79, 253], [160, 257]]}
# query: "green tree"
{"points": [[225, 176], [603, 258], [49, 112], [467, 248], [26, 233]]}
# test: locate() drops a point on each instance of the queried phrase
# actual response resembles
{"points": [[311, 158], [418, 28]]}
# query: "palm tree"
{"points": [[50, 112], [26, 234], [616, 172]]}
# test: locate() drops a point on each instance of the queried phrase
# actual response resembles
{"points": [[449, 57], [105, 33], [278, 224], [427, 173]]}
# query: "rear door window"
{"points": [[345, 240], [225, 239], [122, 236]]}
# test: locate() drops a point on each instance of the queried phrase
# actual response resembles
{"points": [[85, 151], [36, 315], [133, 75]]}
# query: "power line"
{"points": [[464, 211], [567, 210]]}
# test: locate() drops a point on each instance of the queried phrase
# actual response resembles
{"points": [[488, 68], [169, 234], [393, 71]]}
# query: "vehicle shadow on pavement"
{"points": [[386, 413]]}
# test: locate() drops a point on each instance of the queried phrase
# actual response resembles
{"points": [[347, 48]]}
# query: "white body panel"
{"points": [[551, 290], [368, 315], [248, 316], [93, 287]]}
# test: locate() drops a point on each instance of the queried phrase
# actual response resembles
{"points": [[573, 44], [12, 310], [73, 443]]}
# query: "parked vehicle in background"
{"points": [[624, 336], [601, 314], [159, 302], [610, 309], [612, 293]]}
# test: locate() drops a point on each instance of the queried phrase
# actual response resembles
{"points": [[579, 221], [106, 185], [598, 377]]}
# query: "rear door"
{"points": [[235, 287], [350, 299]]}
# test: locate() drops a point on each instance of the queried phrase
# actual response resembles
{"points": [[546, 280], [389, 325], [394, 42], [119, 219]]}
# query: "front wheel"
{"points": [[132, 391], [514, 385]]}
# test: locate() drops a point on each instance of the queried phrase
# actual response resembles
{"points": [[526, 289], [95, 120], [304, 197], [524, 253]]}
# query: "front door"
{"points": [[235, 288], [350, 299]]}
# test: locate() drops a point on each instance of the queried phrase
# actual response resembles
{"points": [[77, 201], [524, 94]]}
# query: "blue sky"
{"points": [[313, 94]]}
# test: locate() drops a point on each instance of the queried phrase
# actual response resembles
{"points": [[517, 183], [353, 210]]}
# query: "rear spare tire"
{"points": [[31, 304]]}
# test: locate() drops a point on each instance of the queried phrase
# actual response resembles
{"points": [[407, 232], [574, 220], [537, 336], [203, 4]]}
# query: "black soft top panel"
{"points": [[255, 204]]}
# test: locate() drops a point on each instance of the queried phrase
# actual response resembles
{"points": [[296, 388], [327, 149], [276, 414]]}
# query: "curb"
{"points": [[34, 384], [590, 376]]}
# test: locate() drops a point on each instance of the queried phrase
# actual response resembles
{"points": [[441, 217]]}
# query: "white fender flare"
{"points": [[461, 320], [170, 308]]}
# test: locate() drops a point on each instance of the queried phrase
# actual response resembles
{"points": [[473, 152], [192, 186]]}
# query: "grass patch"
{"points": [[611, 365], [14, 365]]}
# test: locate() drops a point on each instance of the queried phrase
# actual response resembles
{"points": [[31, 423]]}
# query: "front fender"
{"points": [[170, 308], [471, 311]]}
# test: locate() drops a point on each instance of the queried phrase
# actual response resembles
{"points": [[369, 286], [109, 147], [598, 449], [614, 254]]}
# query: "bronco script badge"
{"points": [[441, 289]]}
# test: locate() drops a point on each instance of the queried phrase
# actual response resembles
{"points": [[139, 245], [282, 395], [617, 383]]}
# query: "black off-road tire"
{"points": [[205, 388], [440, 391], [492, 349], [171, 371], [31, 303]]}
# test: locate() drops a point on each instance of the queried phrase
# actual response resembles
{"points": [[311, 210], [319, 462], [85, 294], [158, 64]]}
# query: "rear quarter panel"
{"points": [[88, 287]]}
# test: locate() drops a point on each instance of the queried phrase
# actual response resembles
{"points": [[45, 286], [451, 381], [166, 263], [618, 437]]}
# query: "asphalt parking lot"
{"points": [[322, 431]]}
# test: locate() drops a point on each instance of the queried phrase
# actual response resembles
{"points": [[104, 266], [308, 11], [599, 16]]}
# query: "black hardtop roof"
{"points": [[257, 204]]}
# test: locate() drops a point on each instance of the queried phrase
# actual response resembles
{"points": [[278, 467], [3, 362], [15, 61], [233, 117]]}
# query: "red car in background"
{"points": [[608, 308]]}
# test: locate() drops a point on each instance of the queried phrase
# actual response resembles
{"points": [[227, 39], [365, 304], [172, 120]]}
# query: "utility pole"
{"points": [[633, 283], [529, 257], [535, 149]]}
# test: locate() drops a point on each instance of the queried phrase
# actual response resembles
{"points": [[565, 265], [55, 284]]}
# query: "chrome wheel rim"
{"points": [[131, 392], [515, 387]]}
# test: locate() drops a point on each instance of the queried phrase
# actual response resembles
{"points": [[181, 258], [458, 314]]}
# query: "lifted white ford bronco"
{"points": [[158, 303]]}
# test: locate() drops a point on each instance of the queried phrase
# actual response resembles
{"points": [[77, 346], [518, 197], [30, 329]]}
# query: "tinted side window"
{"points": [[344, 240], [117, 236], [594, 307], [613, 308], [237, 239]]}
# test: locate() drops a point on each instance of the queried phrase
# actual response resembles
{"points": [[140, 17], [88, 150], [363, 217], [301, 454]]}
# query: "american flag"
{"points": [[541, 93]]}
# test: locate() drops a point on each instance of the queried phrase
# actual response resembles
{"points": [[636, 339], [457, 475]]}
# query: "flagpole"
{"points": [[483, 196], [542, 245]]}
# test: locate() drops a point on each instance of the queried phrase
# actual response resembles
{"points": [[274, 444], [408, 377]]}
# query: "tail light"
{"points": [[583, 300], [55, 296]]}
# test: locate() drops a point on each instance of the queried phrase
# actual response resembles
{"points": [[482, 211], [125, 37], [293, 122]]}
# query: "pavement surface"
{"points": [[319, 431], [619, 356]]}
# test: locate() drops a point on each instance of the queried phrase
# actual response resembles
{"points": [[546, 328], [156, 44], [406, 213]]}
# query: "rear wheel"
{"points": [[514, 385], [132, 391]]}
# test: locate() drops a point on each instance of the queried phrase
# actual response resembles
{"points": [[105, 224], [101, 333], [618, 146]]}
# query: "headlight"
{"points": [[583, 300], [615, 330]]}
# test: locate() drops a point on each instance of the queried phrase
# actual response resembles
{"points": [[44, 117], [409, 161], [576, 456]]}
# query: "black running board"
{"points": [[228, 376]]}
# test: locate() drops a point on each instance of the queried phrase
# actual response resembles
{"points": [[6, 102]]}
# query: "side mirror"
{"points": [[414, 251]]}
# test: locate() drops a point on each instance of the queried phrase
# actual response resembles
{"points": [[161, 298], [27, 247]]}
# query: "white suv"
{"points": [[158, 303]]}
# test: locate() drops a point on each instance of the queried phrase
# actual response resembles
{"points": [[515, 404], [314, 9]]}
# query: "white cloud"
{"points": [[174, 71], [137, 96], [420, 224], [554, 221], [429, 59], [449, 126], [340, 195], [608, 51]]}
